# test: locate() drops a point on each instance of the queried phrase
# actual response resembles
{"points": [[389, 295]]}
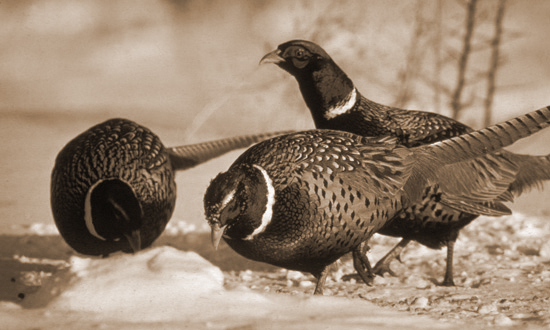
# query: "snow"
{"points": [[164, 286], [179, 226], [167, 288], [157, 284]]}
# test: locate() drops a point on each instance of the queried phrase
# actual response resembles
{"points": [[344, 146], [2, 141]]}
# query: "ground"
{"points": [[502, 272]]}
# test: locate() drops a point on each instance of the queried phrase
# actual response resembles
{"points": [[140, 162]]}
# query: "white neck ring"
{"points": [[88, 212], [268, 214], [339, 109]]}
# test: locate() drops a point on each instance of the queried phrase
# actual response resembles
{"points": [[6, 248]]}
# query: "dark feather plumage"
{"points": [[113, 187], [132, 164], [188, 156], [335, 103], [303, 200]]}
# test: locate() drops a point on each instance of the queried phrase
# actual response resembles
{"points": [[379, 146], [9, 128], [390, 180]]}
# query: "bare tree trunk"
{"points": [[414, 57], [456, 104], [491, 75], [437, 54]]}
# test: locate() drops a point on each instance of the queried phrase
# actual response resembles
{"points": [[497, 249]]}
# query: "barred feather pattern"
{"points": [[491, 138], [438, 157], [333, 190], [188, 156], [532, 171], [324, 86]]}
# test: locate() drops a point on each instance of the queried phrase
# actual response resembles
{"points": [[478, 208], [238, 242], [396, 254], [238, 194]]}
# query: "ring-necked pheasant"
{"points": [[113, 187], [301, 201], [335, 103]]}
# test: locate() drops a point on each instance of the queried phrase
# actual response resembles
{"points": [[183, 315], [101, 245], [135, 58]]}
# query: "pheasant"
{"points": [[113, 188], [303, 200], [335, 103]]}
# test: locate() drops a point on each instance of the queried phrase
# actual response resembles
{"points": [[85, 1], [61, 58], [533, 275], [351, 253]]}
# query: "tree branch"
{"points": [[456, 105], [495, 59]]}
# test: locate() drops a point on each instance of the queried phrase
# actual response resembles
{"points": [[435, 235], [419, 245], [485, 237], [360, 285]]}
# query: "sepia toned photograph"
{"points": [[274, 164]]}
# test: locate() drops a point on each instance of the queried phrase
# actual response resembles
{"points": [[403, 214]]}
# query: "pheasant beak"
{"points": [[134, 239], [272, 57], [217, 233]]}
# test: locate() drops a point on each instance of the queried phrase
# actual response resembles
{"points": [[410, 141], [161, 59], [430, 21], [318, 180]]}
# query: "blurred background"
{"points": [[189, 71]]}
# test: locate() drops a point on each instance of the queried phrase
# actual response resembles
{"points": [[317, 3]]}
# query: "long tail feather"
{"points": [[187, 156], [434, 161], [533, 170], [491, 209], [491, 138]]}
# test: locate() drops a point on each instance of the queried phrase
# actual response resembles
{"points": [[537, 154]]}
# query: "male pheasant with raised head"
{"points": [[301, 201], [113, 187], [335, 103]]}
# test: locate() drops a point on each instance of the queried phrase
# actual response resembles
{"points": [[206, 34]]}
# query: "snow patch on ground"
{"points": [[154, 285], [170, 288], [175, 227], [179, 227], [45, 285]]}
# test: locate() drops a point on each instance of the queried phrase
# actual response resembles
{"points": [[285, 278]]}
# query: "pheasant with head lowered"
{"points": [[113, 187], [335, 103], [303, 200]]}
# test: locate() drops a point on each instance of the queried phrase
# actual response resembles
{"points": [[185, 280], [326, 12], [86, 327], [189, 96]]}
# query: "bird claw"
{"points": [[362, 265], [382, 268], [447, 282], [366, 276], [368, 279]]}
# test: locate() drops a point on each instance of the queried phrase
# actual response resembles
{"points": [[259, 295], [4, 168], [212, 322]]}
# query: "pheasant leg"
{"points": [[383, 265], [362, 265], [321, 279], [448, 280]]}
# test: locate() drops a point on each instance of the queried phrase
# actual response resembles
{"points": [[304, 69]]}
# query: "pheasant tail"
{"points": [[491, 138], [431, 158], [188, 156], [533, 170]]}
